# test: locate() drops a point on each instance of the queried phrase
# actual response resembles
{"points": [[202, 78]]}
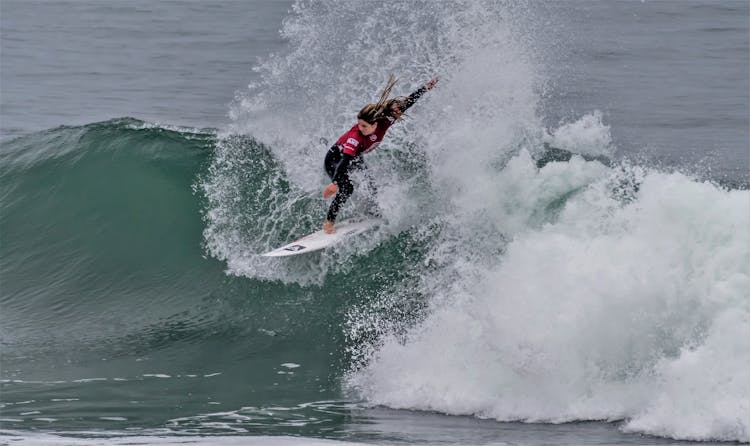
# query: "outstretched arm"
{"points": [[412, 98]]}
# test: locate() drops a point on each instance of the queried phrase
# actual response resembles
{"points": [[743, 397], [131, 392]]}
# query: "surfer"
{"points": [[372, 123]]}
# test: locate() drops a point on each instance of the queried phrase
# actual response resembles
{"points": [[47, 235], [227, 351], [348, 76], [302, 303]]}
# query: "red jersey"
{"points": [[354, 143]]}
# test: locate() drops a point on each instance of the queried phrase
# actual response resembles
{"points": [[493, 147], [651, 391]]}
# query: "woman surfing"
{"points": [[373, 121]]}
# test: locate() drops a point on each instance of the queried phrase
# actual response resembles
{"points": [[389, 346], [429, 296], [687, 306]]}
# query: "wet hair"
{"points": [[372, 113], [399, 102]]}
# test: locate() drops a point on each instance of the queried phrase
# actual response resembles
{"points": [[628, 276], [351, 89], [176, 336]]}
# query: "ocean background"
{"points": [[565, 258]]}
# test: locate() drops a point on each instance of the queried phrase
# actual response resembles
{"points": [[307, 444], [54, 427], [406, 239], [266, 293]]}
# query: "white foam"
{"points": [[615, 309], [290, 365], [703, 393], [586, 136]]}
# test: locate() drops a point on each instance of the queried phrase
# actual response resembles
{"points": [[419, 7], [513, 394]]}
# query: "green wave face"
{"points": [[110, 293]]}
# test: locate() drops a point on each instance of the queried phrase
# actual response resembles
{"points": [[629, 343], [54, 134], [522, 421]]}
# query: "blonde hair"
{"points": [[371, 113]]}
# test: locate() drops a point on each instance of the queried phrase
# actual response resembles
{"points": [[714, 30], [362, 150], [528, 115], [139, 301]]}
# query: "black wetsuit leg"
{"points": [[346, 188], [333, 157]]}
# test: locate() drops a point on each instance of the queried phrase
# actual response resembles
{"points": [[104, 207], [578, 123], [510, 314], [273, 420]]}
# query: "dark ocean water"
{"points": [[151, 150]]}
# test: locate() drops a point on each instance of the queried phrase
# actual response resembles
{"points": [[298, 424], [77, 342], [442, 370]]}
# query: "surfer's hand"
{"points": [[330, 191], [429, 85]]}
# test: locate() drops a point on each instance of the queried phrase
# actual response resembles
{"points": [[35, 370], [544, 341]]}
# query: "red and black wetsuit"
{"points": [[347, 153]]}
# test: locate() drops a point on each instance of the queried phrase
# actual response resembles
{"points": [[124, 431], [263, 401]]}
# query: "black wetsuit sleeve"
{"points": [[412, 98], [342, 168]]}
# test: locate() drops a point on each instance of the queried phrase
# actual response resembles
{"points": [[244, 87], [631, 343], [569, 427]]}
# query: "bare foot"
{"points": [[328, 227]]}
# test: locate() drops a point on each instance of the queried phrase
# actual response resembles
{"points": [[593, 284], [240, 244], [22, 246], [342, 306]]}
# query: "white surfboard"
{"points": [[320, 240]]}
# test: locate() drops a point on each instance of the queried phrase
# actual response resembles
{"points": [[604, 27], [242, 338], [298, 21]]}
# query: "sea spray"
{"points": [[588, 135], [307, 97]]}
